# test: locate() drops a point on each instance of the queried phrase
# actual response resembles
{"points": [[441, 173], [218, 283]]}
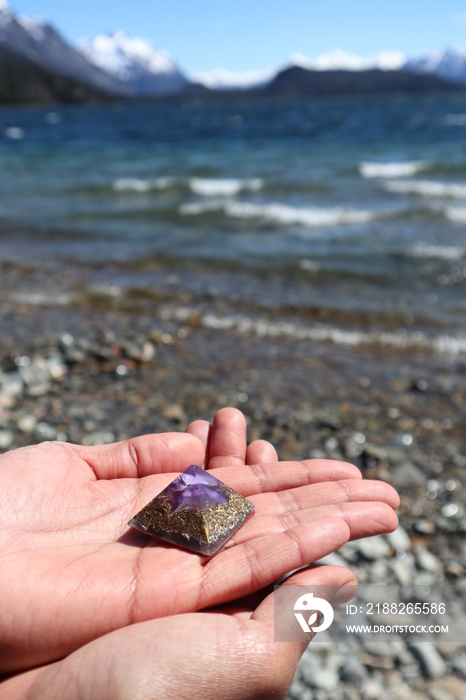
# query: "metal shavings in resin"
{"points": [[196, 511]]}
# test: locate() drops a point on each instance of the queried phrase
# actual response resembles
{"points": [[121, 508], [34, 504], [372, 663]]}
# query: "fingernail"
{"points": [[345, 592]]}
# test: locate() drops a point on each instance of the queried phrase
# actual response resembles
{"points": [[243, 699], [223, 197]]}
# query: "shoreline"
{"points": [[376, 408], [93, 377], [105, 367]]}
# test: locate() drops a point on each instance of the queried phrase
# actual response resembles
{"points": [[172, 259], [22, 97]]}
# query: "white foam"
{"points": [[134, 184], [427, 188], [446, 252], [443, 344], [457, 214], [402, 169], [223, 187], [308, 217], [276, 213], [15, 133], [42, 298]]}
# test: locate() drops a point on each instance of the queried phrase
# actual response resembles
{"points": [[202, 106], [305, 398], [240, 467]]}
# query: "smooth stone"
{"points": [[404, 569], [372, 690], [459, 666], [454, 569], [429, 658], [308, 668], [424, 526], [326, 679], [353, 671], [297, 690], [99, 437], [44, 431], [36, 390], [27, 423], [389, 650], [373, 547], [6, 439], [427, 561], [379, 571], [436, 693], [399, 539], [407, 476], [11, 384], [56, 367], [38, 372]]}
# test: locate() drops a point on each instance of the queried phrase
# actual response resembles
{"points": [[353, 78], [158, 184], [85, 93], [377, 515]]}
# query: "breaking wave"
{"points": [[446, 252], [443, 343], [214, 187], [457, 214], [427, 188], [135, 184], [282, 214], [402, 169]]}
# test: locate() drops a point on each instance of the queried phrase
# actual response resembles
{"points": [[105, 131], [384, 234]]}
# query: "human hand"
{"points": [[221, 654], [71, 571]]}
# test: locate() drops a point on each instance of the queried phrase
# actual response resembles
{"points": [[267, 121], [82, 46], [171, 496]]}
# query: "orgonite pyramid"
{"points": [[196, 511]]}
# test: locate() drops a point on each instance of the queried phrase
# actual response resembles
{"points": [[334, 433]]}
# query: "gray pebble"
{"points": [[372, 689], [27, 423], [11, 384], [429, 658], [326, 679], [399, 539], [44, 431], [373, 547], [99, 438], [6, 439], [353, 671], [408, 476], [404, 569], [427, 561], [436, 693], [459, 666], [424, 526]]}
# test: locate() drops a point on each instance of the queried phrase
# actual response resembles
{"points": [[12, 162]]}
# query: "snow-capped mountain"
{"points": [[222, 79], [41, 43], [134, 62], [449, 63], [114, 63]]}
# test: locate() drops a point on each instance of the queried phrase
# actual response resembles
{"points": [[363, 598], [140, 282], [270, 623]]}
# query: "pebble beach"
{"points": [[99, 372]]}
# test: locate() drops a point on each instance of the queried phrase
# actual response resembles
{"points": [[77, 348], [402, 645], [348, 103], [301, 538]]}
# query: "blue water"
{"points": [[352, 206]]}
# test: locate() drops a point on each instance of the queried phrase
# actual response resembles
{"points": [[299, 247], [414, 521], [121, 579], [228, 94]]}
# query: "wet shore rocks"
{"points": [[102, 381]]}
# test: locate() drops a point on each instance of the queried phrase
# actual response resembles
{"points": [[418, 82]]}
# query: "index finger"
{"points": [[143, 455]]}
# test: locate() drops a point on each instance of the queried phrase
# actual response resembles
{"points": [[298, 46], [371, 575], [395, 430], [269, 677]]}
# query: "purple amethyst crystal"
{"points": [[193, 488], [196, 511]]}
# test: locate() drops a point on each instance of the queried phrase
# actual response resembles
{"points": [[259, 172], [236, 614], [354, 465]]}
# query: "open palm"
{"points": [[234, 654], [71, 571]]}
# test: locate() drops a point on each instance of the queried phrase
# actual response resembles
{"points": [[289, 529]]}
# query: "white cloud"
{"points": [[221, 78], [342, 60], [459, 18]]}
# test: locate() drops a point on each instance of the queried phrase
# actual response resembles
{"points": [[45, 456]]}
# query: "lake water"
{"points": [[340, 220]]}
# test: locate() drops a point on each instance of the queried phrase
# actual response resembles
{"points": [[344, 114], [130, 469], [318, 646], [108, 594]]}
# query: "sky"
{"points": [[258, 34]]}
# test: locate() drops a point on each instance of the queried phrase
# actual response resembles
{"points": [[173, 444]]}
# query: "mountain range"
{"points": [[37, 65]]}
